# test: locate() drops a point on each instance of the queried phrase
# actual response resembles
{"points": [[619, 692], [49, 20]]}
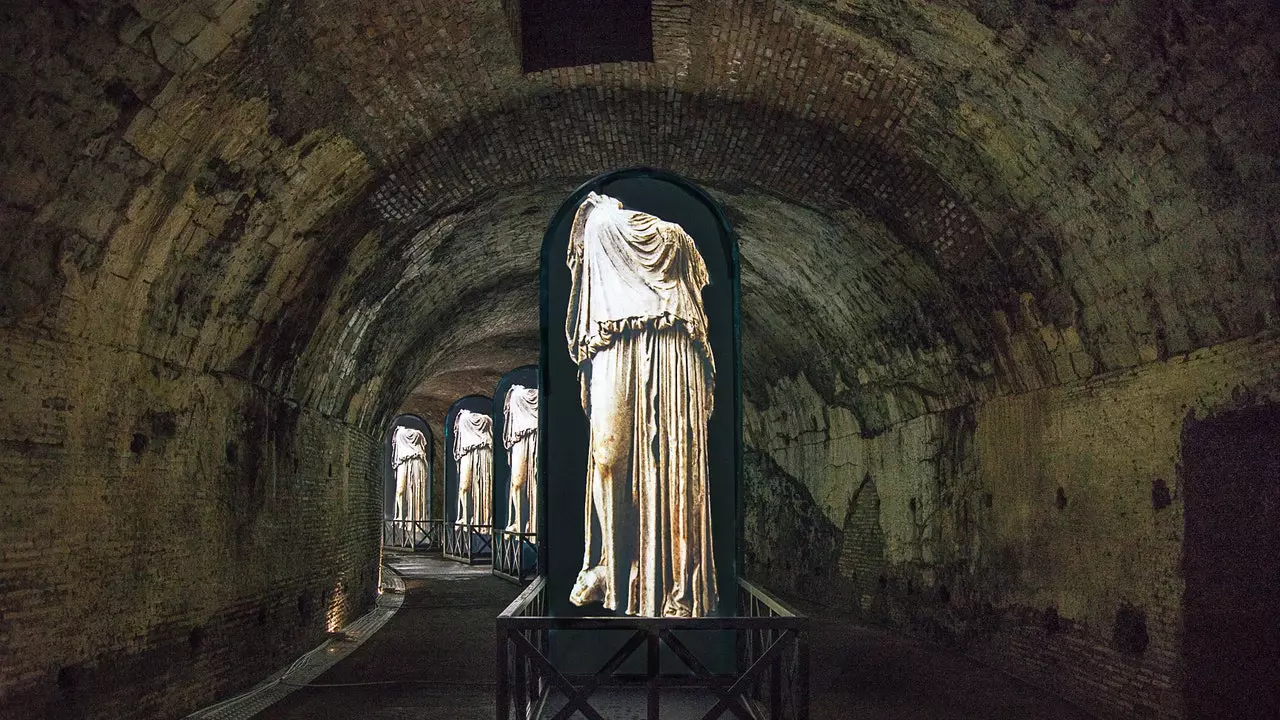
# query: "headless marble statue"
{"points": [[520, 436], [637, 330], [473, 452], [410, 461]]}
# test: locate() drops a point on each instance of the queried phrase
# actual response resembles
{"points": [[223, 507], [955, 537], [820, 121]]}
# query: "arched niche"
{"points": [[391, 468], [569, 461], [481, 492], [510, 437]]}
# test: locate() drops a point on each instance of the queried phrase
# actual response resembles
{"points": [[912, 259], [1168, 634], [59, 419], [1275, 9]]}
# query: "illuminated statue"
{"points": [[473, 451], [520, 436], [638, 333], [410, 462]]}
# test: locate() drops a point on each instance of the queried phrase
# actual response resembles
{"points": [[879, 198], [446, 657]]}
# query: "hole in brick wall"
{"points": [[330, 469], [567, 33], [1130, 631], [138, 444], [306, 608], [1061, 500], [1231, 506], [196, 637], [1160, 498], [944, 595], [1050, 621], [233, 452], [70, 677], [884, 580], [911, 504], [987, 499]]}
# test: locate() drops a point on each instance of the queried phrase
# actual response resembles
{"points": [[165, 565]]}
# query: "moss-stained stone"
{"points": [[789, 544]]}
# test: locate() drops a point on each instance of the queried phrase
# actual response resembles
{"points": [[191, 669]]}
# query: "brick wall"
{"points": [[861, 559], [169, 537]]}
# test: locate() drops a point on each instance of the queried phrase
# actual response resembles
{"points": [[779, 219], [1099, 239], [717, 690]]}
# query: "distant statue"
{"points": [[638, 333], [410, 462], [520, 436], [473, 451]]}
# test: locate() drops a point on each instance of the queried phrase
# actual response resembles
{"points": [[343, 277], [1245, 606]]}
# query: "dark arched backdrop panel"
{"points": [[388, 471], [474, 403], [564, 433], [528, 377]]}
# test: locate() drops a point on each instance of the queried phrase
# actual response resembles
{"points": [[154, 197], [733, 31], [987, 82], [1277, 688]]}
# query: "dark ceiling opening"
{"points": [[568, 33]]}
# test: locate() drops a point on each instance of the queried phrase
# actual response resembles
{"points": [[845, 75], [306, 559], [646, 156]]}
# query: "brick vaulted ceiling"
{"points": [[341, 201]]}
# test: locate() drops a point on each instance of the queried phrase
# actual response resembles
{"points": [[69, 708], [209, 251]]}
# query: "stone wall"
{"points": [[168, 536], [1040, 532]]}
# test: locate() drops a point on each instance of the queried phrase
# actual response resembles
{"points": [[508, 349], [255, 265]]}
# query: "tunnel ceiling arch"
{"points": [[949, 200]]}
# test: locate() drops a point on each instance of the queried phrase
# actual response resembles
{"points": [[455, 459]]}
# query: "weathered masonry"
{"points": [[1009, 315]]}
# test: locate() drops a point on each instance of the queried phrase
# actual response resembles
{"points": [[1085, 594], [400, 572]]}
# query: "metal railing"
{"points": [[515, 556], [418, 535], [470, 544], [770, 680]]}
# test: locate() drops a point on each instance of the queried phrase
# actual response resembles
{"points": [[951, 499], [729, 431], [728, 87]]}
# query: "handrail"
{"points": [[525, 598], [769, 600]]}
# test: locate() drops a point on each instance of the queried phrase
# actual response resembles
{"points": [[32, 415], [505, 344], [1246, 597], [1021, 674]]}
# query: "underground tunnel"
{"points": [[1009, 337]]}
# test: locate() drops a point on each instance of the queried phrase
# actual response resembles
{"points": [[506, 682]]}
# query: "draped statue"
{"points": [[637, 330], [520, 436], [410, 462], [473, 452]]}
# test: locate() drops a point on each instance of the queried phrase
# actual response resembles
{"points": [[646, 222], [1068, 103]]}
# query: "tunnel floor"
{"points": [[434, 659]]}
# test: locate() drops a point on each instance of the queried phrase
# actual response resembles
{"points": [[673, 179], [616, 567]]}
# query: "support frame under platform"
{"points": [[416, 535], [515, 556], [770, 680], [468, 544]]}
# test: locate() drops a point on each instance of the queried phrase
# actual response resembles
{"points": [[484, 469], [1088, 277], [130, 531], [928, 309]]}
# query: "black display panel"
{"points": [[477, 404], [389, 463], [566, 428], [527, 377]]}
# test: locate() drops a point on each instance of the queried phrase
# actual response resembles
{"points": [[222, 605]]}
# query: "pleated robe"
{"points": [[411, 474], [520, 436], [473, 452], [638, 332]]}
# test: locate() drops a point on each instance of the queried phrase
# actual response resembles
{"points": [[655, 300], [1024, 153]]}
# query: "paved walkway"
{"points": [[434, 659]]}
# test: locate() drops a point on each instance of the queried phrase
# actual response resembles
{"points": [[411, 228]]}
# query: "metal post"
{"points": [[652, 673], [802, 672], [503, 698]]}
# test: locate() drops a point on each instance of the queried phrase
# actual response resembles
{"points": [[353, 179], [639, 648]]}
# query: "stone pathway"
{"points": [[434, 659]]}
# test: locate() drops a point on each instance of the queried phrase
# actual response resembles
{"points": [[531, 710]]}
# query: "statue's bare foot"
{"points": [[589, 587], [513, 528]]}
